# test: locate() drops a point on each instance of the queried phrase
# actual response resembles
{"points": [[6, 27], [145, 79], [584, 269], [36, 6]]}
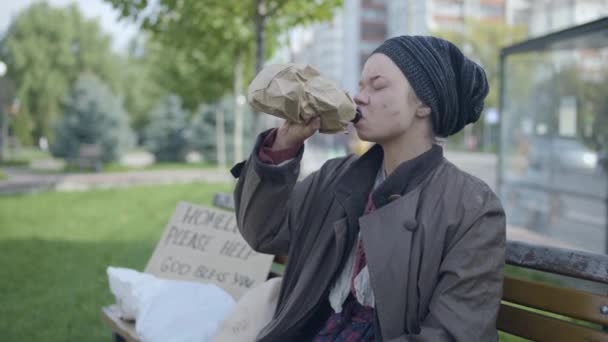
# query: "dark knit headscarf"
{"points": [[452, 85]]}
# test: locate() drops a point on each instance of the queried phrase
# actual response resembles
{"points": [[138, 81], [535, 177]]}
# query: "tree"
{"points": [[189, 74], [206, 132], [141, 88], [166, 136], [46, 49], [7, 94], [92, 116], [220, 35]]}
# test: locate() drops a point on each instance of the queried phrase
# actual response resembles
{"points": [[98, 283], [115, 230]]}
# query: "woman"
{"points": [[395, 245]]}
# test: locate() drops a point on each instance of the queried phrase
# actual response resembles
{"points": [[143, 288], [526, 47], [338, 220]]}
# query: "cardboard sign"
{"points": [[205, 245]]}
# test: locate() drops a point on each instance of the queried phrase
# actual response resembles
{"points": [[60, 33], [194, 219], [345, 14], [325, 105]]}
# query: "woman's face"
{"points": [[387, 101]]}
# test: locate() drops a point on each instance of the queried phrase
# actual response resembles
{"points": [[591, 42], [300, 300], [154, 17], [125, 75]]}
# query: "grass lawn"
{"points": [[55, 248], [24, 156], [2, 175]]}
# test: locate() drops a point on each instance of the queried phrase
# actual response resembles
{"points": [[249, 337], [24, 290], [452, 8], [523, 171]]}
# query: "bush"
{"points": [[166, 136], [92, 116], [204, 137], [204, 134]]}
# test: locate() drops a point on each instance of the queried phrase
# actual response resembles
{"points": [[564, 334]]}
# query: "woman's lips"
{"points": [[358, 116]]}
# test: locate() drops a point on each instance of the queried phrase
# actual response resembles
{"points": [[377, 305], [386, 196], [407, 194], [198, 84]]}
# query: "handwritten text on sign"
{"points": [[204, 244]]}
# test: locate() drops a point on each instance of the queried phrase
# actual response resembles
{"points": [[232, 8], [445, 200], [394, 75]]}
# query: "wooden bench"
{"points": [[531, 309], [555, 312], [89, 156]]}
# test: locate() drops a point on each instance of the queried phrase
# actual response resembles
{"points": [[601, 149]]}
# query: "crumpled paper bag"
{"points": [[298, 92]]}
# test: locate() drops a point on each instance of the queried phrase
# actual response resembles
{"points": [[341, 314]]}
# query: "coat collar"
{"points": [[353, 187], [407, 176], [358, 180]]}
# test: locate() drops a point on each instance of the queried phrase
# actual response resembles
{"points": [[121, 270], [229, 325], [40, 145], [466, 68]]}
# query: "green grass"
{"points": [[3, 176], [24, 156], [33, 153], [55, 248], [15, 162]]}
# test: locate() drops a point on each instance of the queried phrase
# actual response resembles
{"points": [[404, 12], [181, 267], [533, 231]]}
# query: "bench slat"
{"points": [[564, 301], [126, 330], [573, 263], [224, 200], [536, 327]]}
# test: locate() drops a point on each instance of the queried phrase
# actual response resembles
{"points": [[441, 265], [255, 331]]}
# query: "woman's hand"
{"points": [[292, 134]]}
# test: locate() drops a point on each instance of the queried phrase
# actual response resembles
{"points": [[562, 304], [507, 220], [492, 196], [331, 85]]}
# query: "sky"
{"points": [[121, 31]]}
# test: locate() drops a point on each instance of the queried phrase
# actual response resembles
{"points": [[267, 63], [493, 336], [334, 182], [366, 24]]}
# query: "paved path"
{"points": [[20, 180], [481, 165]]}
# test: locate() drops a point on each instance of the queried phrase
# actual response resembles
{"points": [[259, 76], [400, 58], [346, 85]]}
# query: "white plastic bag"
{"points": [[169, 310], [183, 312], [132, 289]]}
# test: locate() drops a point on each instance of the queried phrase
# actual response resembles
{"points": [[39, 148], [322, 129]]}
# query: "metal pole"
{"points": [[238, 110], [501, 118]]}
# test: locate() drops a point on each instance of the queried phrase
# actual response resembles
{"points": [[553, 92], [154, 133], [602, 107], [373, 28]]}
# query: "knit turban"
{"points": [[452, 85]]}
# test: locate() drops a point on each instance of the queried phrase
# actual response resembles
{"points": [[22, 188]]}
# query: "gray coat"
{"points": [[435, 252]]}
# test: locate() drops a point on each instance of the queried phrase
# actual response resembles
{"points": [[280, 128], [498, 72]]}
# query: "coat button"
{"points": [[393, 197]]}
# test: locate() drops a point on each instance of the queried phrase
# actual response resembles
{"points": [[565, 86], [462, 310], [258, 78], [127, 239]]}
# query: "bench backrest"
{"points": [[90, 151], [546, 312], [531, 309]]}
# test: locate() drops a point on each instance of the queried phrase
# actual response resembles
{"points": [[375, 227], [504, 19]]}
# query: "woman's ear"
{"points": [[423, 110]]}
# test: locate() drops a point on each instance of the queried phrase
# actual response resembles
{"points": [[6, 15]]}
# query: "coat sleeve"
{"points": [[267, 201], [466, 300]]}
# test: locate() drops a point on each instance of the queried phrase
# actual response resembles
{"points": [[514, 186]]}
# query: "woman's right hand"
{"points": [[292, 134]]}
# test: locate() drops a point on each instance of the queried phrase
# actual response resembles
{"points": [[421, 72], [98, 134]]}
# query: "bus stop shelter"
{"points": [[553, 145]]}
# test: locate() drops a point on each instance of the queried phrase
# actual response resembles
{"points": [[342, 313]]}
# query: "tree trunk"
{"points": [[260, 49], [260, 36], [220, 137], [238, 109], [3, 134]]}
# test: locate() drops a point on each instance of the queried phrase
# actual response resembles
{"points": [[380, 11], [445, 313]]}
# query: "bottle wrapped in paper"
{"points": [[297, 92]]}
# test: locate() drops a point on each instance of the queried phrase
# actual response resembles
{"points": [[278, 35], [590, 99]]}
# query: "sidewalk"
{"points": [[20, 181], [525, 235]]}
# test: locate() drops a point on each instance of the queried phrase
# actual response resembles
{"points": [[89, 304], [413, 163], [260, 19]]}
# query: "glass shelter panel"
{"points": [[554, 140]]}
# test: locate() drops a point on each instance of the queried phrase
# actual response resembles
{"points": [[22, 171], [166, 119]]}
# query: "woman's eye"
{"points": [[379, 86]]}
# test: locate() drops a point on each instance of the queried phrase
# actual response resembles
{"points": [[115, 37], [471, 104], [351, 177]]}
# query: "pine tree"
{"points": [[166, 136], [93, 116]]}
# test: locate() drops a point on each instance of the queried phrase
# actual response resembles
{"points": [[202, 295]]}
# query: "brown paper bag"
{"points": [[297, 92]]}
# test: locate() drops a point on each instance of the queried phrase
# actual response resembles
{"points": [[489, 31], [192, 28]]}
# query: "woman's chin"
{"points": [[364, 136]]}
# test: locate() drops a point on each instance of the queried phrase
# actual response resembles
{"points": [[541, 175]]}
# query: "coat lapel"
{"points": [[387, 239], [354, 186]]}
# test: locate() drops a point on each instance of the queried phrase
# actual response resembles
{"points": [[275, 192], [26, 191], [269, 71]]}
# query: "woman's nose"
{"points": [[361, 99]]}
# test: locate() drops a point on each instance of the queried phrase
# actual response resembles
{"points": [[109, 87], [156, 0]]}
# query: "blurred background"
{"points": [[111, 111]]}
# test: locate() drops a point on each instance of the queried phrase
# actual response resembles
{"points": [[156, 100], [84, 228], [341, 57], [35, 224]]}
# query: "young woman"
{"points": [[395, 245]]}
